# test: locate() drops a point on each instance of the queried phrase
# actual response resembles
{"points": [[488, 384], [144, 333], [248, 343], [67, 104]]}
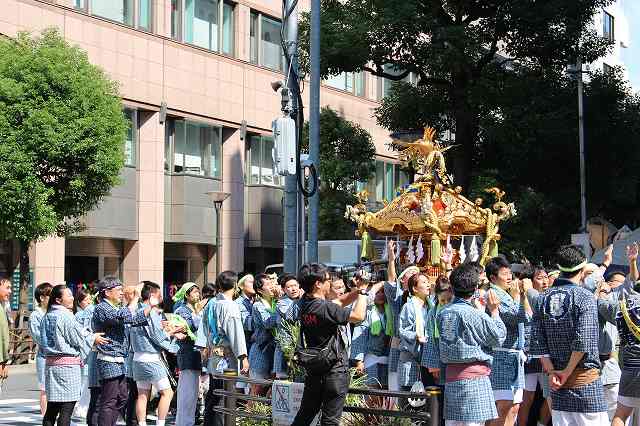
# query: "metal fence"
{"points": [[230, 394], [21, 346]]}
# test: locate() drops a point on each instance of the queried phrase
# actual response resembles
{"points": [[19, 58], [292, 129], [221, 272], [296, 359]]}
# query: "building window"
{"points": [[265, 42], [134, 13], [384, 84], [348, 81], [608, 29], [176, 22], [130, 142], [203, 25], [386, 181], [194, 149], [607, 69], [262, 166]]}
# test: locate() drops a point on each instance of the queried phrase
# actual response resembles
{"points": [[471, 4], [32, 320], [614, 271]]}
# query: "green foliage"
{"points": [[62, 130], [347, 156], [530, 149], [255, 408], [494, 73], [453, 47], [287, 338]]}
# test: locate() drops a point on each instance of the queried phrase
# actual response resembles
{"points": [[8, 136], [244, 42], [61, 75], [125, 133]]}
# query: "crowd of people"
{"points": [[492, 338]]}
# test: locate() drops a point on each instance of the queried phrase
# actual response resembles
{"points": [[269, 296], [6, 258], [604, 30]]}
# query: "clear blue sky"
{"points": [[631, 55]]}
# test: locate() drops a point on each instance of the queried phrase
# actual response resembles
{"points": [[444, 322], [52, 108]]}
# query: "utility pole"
{"points": [[290, 252], [314, 128], [582, 237], [583, 179]]}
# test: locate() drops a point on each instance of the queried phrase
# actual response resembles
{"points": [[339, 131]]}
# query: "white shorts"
{"points": [[567, 418], [508, 395], [160, 385], [531, 381], [459, 423], [629, 401]]}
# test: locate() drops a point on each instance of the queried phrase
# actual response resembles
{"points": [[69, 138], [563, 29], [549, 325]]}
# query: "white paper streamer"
{"points": [[411, 257], [462, 252], [419, 250], [473, 250]]}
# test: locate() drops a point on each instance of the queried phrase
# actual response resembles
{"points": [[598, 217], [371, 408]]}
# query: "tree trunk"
{"points": [[23, 299], [466, 117]]}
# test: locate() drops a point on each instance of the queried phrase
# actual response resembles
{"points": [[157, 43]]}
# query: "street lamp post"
{"points": [[218, 197], [583, 235]]}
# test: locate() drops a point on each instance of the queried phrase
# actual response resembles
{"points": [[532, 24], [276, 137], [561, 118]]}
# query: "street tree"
{"points": [[458, 50], [530, 149], [347, 156], [61, 140]]}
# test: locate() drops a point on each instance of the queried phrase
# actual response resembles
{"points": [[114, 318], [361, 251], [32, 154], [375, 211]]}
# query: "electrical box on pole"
{"points": [[284, 142]]}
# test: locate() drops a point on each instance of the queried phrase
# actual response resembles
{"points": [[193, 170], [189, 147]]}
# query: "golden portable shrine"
{"points": [[438, 223]]}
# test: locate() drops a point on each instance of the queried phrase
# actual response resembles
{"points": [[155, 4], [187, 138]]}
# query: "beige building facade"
{"points": [[211, 63]]}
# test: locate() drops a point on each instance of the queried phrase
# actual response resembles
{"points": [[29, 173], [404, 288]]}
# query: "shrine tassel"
{"points": [[435, 250], [493, 249]]}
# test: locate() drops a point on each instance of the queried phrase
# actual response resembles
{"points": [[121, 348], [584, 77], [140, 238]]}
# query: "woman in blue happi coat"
{"points": [[371, 341], [189, 359], [65, 345], [265, 320], [41, 295], [431, 361], [83, 307], [412, 328]]}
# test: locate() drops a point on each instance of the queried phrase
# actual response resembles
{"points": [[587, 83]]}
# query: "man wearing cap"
{"points": [[393, 291], [565, 336], [109, 318], [189, 359]]}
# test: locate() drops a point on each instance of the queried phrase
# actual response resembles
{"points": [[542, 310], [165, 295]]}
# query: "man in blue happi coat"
{"points": [[507, 372], [565, 334], [466, 335], [110, 318]]}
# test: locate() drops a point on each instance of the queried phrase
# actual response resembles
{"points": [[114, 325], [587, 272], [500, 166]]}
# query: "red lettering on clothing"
{"points": [[310, 319]]}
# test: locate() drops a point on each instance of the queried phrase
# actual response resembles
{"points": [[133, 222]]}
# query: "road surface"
{"points": [[19, 398]]}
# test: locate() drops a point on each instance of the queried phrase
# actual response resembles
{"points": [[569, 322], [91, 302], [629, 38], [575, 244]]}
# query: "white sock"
{"points": [[159, 422], [540, 424]]}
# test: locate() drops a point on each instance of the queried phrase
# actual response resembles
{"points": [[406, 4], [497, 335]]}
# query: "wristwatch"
{"points": [[363, 292]]}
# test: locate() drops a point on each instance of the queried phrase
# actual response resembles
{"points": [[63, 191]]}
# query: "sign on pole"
{"points": [[285, 401]]}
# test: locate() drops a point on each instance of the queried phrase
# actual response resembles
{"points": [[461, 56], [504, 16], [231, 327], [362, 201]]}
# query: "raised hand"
{"points": [[608, 255], [493, 301], [391, 249], [632, 252]]}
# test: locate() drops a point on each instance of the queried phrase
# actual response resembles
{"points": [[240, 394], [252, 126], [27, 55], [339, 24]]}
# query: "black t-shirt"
{"points": [[320, 320]]}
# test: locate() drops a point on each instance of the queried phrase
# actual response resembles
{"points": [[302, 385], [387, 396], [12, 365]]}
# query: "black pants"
{"points": [[58, 410], [213, 417], [130, 414], [113, 400], [92, 412], [326, 393]]}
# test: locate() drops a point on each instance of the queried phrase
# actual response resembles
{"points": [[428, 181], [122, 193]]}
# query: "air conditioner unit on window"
{"points": [[284, 143]]}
